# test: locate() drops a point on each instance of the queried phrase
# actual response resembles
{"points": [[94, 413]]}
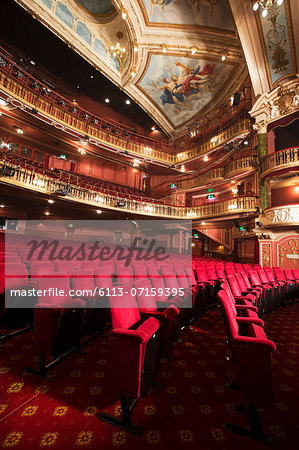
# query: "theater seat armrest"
{"points": [[172, 312], [240, 297], [159, 315], [244, 307], [255, 342], [250, 320], [134, 336]]}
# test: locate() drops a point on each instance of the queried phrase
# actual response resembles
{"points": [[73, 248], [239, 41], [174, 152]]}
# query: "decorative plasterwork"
{"points": [[278, 103], [287, 215], [209, 40]]}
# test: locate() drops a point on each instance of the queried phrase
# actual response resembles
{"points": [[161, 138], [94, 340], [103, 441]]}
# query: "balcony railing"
{"points": [[287, 215], [240, 165], [45, 184], [211, 175], [280, 160], [220, 173], [236, 130]]}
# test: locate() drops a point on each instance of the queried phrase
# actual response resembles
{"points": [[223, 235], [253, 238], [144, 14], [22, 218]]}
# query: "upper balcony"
{"points": [[24, 178], [279, 162], [29, 93], [236, 167], [282, 216]]}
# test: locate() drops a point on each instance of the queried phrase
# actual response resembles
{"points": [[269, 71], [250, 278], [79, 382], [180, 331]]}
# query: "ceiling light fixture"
{"points": [[107, 100], [51, 201], [193, 51], [223, 58], [153, 128], [20, 131], [183, 169], [2, 206], [0, 113], [47, 213], [128, 102], [135, 49], [82, 151], [117, 51], [3, 102], [203, 223], [124, 15], [164, 49], [266, 5], [133, 74], [206, 158], [99, 211]]}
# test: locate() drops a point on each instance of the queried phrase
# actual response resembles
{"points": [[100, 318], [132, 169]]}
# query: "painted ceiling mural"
{"points": [[277, 42], [96, 6], [209, 13], [181, 87]]}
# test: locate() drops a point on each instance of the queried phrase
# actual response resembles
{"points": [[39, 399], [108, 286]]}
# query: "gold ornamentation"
{"points": [[29, 411], [84, 438], [266, 255], [14, 388], [119, 438], [48, 439], [60, 411], [12, 439]]}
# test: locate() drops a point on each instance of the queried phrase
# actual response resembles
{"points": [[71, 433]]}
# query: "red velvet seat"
{"points": [[238, 294], [211, 285], [252, 354], [267, 288], [39, 268], [277, 290], [148, 302], [58, 322], [84, 287], [290, 284], [16, 310], [135, 354]]}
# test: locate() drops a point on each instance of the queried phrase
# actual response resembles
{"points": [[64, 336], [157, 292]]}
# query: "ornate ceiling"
{"points": [[181, 59], [172, 65]]}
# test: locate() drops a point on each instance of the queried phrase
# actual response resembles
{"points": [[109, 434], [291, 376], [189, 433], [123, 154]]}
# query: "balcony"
{"points": [[211, 175], [240, 165], [234, 168], [239, 129], [280, 161], [45, 184], [281, 216]]}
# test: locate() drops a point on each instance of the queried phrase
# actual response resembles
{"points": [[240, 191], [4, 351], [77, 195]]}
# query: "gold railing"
{"points": [[280, 160], [45, 184], [240, 165], [242, 127], [211, 175]]}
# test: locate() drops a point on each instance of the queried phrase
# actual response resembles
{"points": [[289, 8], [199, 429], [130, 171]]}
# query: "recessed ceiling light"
{"points": [[107, 100], [47, 213], [128, 102], [203, 223], [51, 201], [206, 158], [245, 142], [99, 211], [32, 62], [223, 58], [78, 86], [153, 128], [2, 206], [91, 76], [20, 131], [3, 102]]}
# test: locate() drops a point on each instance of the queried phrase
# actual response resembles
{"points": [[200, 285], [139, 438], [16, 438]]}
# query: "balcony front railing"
{"points": [[288, 158], [242, 127], [45, 184], [287, 215], [211, 175], [240, 165]]}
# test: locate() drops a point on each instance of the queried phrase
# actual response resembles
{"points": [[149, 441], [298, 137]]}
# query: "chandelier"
{"points": [[266, 5], [117, 50]]}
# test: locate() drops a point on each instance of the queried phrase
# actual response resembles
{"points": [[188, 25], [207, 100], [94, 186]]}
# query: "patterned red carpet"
{"points": [[187, 413]]}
